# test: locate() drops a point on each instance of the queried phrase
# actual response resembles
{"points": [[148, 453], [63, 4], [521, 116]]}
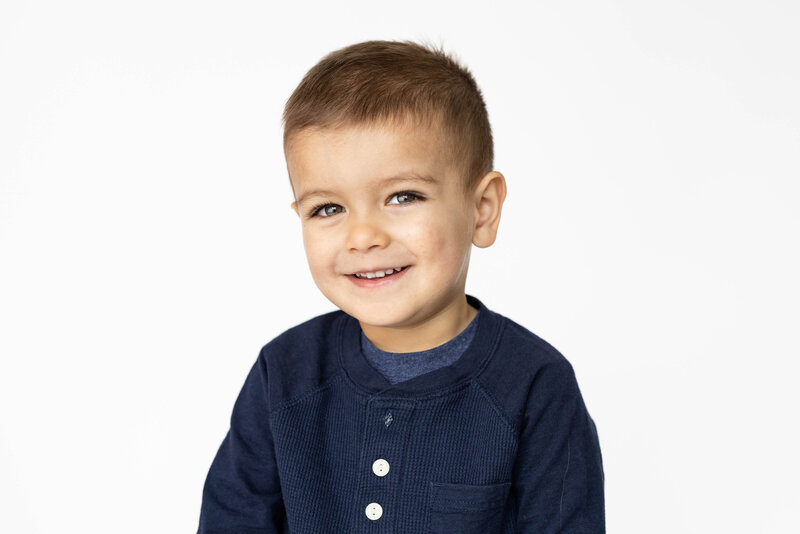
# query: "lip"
{"points": [[378, 282]]}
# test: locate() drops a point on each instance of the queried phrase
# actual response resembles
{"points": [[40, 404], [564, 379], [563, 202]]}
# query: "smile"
{"points": [[379, 273]]}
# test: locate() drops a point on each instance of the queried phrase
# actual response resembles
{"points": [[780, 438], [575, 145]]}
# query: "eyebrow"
{"points": [[400, 178]]}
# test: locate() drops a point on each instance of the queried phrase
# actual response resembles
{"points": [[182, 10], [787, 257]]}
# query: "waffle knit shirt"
{"points": [[499, 441]]}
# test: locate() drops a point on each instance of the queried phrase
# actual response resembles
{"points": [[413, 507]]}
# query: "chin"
{"points": [[378, 314]]}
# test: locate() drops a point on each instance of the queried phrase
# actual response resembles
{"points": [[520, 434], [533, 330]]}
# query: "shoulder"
{"points": [[525, 352], [525, 366], [302, 358], [309, 334]]}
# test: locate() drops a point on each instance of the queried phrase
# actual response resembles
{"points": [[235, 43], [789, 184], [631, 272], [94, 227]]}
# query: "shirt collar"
{"points": [[372, 382]]}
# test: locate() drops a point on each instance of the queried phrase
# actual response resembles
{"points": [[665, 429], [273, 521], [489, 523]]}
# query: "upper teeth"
{"points": [[378, 274]]}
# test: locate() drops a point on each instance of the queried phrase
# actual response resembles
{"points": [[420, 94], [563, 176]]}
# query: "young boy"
{"points": [[415, 408]]}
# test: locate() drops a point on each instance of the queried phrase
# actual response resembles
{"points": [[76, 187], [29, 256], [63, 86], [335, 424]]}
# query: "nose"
{"points": [[364, 234]]}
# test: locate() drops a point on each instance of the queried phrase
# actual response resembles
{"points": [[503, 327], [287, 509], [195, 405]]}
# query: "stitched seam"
{"points": [[307, 395], [410, 399], [493, 350], [563, 487], [496, 407]]}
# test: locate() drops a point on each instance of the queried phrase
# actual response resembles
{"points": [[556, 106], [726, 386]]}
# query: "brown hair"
{"points": [[377, 81]]}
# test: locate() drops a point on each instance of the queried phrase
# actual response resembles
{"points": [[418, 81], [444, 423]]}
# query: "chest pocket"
{"points": [[466, 509]]}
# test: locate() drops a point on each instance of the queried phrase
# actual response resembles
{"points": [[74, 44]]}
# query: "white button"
{"points": [[380, 467], [374, 511]]}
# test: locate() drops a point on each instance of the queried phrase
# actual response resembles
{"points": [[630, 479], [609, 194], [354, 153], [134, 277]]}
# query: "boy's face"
{"points": [[383, 199]]}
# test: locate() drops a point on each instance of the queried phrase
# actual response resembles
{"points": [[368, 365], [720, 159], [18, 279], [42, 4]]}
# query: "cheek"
{"points": [[317, 254], [436, 240]]}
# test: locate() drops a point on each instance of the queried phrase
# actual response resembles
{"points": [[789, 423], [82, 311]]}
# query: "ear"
{"points": [[295, 208], [489, 197]]}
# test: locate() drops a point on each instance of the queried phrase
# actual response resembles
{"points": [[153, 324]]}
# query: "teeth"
{"points": [[378, 274]]}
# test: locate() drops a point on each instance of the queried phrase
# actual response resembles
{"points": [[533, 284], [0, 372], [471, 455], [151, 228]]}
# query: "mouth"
{"points": [[380, 273], [378, 278]]}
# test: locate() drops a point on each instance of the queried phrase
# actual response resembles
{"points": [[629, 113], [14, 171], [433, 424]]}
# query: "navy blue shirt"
{"points": [[499, 441]]}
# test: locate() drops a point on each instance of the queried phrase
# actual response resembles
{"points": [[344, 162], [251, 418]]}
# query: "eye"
{"points": [[405, 197], [326, 210]]}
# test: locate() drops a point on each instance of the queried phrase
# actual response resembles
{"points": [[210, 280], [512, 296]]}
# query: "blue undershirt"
{"points": [[401, 366]]}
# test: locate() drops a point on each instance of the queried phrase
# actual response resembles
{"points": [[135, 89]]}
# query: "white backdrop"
{"points": [[148, 251]]}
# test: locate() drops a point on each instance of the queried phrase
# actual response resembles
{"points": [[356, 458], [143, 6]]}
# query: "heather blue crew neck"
{"points": [[399, 367]]}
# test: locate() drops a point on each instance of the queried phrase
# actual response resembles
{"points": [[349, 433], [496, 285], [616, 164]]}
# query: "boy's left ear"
{"points": [[489, 197]]}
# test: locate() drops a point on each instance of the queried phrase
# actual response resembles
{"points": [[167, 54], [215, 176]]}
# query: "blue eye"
{"points": [[326, 210], [405, 197]]}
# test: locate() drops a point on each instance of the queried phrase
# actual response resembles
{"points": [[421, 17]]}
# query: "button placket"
{"points": [[387, 428]]}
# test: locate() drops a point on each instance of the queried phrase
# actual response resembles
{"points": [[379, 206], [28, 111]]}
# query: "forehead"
{"points": [[355, 154]]}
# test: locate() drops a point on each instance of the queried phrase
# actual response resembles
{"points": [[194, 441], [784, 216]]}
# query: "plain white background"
{"points": [[148, 251]]}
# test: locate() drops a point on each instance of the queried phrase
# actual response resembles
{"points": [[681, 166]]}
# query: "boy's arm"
{"points": [[559, 473], [242, 493]]}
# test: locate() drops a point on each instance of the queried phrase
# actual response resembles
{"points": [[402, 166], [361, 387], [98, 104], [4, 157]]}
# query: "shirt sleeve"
{"points": [[242, 493], [558, 480]]}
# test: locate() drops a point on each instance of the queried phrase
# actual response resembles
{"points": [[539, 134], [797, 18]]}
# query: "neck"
{"points": [[427, 334]]}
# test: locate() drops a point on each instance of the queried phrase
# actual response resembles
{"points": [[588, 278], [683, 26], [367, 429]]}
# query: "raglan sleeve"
{"points": [[242, 492], [558, 479]]}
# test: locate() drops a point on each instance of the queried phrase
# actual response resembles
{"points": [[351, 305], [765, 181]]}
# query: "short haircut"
{"points": [[392, 81]]}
